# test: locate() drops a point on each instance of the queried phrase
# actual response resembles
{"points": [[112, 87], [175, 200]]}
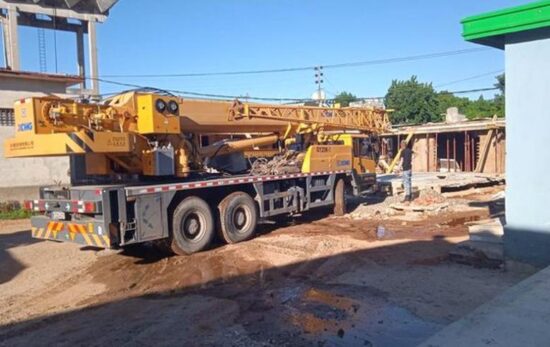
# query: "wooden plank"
{"points": [[398, 156], [485, 151]]}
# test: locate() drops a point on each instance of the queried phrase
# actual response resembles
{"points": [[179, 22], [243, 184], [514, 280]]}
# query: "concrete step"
{"points": [[487, 231], [479, 254]]}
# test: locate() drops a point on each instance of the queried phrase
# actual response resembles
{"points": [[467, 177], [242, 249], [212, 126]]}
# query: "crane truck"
{"points": [[143, 166]]}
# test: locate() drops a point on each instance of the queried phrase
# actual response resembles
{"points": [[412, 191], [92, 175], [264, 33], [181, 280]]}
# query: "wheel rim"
{"points": [[192, 226], [241, 219]]}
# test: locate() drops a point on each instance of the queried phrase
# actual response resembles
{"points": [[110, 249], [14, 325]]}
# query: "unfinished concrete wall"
{"points": [[495, 161], [496, 152], [425, 157], [22, 176], [420, 157], [527, 234], [16, 88]]}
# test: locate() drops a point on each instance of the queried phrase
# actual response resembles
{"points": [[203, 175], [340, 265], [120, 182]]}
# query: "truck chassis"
{"points": [[187, 214]]}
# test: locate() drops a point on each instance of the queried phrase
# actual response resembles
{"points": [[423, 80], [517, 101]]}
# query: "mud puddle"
{"points": [[338, 316]]}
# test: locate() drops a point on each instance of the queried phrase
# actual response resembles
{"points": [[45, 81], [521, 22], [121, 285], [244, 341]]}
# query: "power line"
{"points": [[469, 91], [305, 68], [232, 97], [492, 73], [197, 94]]}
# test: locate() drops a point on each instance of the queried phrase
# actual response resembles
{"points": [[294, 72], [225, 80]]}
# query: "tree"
{"points": [[447, 99], [481, 108], [473, 109], [501, 83], [499, 98], [413, 102], [344, 98]]}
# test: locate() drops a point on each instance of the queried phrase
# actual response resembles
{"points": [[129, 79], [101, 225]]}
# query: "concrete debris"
{"points": [[414, 207], [378, 208], [429, 197], [448, 182], [487, 231], [499, 196]]}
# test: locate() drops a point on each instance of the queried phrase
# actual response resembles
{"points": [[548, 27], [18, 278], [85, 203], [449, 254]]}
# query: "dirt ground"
{"points": [[375, 277]]}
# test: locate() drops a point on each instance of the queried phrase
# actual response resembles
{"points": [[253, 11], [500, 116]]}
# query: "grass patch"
{"points": [[16, 214], [13, 210]]}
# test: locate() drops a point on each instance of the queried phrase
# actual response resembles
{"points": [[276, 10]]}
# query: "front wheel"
{"points": [[238, 217], [192, 226]]}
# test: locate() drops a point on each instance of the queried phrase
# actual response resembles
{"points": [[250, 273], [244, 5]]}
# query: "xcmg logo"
{"points": [[24, 127], [343, 163]]}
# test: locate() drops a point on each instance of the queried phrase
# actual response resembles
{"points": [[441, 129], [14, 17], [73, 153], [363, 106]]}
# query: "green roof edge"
{"points": [[530, 16]]}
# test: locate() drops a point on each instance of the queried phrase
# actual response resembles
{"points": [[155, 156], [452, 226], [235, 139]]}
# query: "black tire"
{"points": [[340, 203], [192, 226], [238, 217]]}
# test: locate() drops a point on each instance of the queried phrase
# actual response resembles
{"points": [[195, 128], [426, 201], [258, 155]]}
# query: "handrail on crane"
{"points": [[349, 118]]}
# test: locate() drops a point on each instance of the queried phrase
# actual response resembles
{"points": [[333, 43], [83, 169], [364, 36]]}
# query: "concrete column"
{"points": [[81, 65], [527, 233], [92, 46], [11, 41]]}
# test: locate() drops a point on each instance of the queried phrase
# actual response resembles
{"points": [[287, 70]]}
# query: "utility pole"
{"points": [[319, 82]]}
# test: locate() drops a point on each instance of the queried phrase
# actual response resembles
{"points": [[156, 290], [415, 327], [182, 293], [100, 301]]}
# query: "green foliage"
{"points": [[417, 103], [501, 83], [413, 102], [472, 109], [344, 98], [13, 210], [447, 99], [17, 214]]}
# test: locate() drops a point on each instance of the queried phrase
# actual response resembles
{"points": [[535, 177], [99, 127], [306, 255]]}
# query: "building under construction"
{"points": [[78, 17], [456, 145]]}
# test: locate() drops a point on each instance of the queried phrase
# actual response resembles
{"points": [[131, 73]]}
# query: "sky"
{"points": [[172, 36]]}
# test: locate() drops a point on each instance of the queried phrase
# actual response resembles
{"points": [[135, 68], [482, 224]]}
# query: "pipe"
{"points": [[236, 146], [473, 152], [466, 152], [496, 150], [427, 153], [448, 154], [454, 151], [436, 150]]}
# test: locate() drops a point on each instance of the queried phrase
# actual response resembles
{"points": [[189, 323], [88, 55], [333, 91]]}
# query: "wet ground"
{"points": [[314, 280]]}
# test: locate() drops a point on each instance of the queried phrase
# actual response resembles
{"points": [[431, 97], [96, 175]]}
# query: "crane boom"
{"points": [[363, 119]]}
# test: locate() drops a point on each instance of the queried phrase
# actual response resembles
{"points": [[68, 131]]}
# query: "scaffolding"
{"points": [[76, 16]]}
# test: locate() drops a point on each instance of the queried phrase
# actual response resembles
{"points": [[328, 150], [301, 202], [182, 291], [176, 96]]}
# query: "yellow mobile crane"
{"points": [[140, 170]]}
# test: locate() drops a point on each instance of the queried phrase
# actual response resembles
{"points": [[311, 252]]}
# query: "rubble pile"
{"points": [[374, 209], [429, 197]]}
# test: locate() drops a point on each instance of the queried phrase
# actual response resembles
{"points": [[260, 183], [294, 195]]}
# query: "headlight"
{"points": [[160, 105], [173, 107]]}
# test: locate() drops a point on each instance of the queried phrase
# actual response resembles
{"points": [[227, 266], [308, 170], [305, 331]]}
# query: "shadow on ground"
{"points": [[10, 266], [224, 298]]}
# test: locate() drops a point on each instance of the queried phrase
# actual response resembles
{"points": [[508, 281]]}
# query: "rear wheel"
{"points": [[340, 202], [192, 226], [238, 217]]}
